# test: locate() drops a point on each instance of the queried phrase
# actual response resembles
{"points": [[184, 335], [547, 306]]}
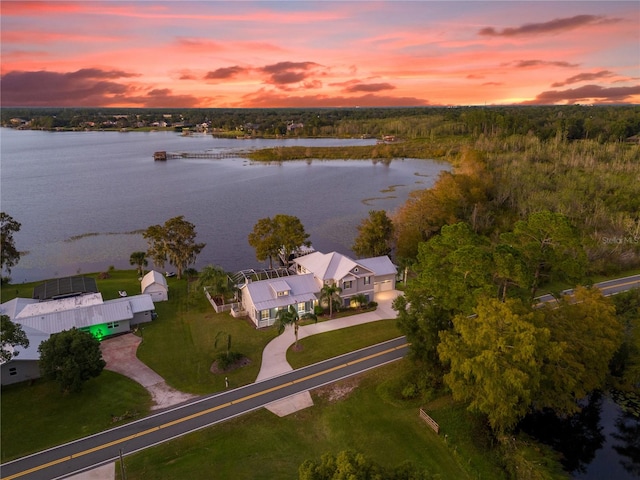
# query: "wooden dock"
{"points": [[162, 156]]}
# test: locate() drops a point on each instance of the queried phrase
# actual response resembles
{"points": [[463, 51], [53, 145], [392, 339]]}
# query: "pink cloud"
{"points": [[224, 73], [583, 77], [285, 73], [369, 87], [552, 26], [86, 87], [265, 98], [588, 94]]}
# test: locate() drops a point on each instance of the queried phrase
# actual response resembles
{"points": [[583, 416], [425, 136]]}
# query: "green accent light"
{"points": [[97, 331]]}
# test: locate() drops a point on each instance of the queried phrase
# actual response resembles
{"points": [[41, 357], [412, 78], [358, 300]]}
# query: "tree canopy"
{"points": [[509, 358], [495, 358], [11, 335], [350, 465], [70, 358], [8, 251], [549, 247], [330, 294], [290, 316], [375, 235], [174, 242], [139, 259], [282, 234]]}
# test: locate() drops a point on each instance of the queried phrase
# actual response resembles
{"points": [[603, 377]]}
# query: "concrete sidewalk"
{"points": [[274, 356]]}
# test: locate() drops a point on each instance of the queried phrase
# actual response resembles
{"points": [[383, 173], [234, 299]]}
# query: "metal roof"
{"points": [[263, 296], [139, 303], [379, 265], [35, 337], [58, 321], [331, 266], [60, 305], [151, 278]]}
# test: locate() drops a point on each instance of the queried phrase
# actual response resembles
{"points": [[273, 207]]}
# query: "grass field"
{"points": [[330, 344], [363, 414], [38, 416]]}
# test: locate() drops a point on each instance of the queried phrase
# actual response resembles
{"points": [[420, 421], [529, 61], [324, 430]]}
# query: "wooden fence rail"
{"points": [[430, 421]]}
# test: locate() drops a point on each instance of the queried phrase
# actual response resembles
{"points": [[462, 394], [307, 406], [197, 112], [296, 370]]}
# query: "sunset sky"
{"points": [[318, 53]]}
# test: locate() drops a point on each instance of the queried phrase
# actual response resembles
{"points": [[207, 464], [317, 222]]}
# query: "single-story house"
{"points": [[154, 284], [366, 276], [24, 364], [263, 299], [87, 312]]}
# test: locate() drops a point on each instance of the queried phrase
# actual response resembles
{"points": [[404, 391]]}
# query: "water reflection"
{"points": [[576, 437], [627, 434], [601, 441]]}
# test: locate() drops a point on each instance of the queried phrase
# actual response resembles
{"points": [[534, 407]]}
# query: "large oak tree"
{"points": [[282, 234], [8, 252], [173, 242], [375, 235]]}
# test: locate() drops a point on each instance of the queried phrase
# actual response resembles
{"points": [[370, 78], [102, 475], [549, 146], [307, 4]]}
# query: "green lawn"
{"points": [[370, 419], [330, 344], [36, 417], [180, 344]]}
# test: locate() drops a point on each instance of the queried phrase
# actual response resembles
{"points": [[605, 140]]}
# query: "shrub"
{"points": [[225, 360]]}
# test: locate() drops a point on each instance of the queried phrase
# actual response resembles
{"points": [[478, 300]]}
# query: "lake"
{"points": [[83, 197]]}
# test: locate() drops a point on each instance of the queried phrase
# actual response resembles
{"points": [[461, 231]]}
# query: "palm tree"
{"points": [[221, 335], [290, 316], [330, 294], [360, 299], [216, 280], [139, 259]]}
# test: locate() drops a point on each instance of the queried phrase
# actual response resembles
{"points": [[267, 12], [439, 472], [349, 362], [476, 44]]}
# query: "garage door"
{"points": [[384, 286]]}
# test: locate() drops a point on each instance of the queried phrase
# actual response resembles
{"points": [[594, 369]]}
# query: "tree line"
{"points": [[572, 122]]}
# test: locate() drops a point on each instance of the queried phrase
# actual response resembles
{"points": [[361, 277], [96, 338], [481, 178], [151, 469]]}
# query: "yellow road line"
{"points": [[619, 285], [199, 414]]}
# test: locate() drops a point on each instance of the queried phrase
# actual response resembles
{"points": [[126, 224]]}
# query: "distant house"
{"points": [[155, 284], [88, 312], [262, 300]]}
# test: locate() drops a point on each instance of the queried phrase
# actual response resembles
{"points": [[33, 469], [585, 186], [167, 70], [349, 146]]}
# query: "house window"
{"points": [[283, 294], [13, 371], [367, 280], [347, 284], [264, 314], [301, 307], [113, 325]]}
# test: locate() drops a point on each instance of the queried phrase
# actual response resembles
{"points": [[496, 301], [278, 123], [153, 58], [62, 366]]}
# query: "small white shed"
{"points": [[154, 284]]}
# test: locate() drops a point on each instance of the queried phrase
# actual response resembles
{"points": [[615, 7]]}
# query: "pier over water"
{"points": [[162, 156]]}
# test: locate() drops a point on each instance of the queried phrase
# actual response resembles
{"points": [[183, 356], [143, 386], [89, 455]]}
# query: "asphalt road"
{"points": [[91, 452], [610, 287]]}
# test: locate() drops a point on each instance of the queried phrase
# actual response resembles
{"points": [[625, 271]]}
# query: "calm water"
{"points": [[80, 195]]}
